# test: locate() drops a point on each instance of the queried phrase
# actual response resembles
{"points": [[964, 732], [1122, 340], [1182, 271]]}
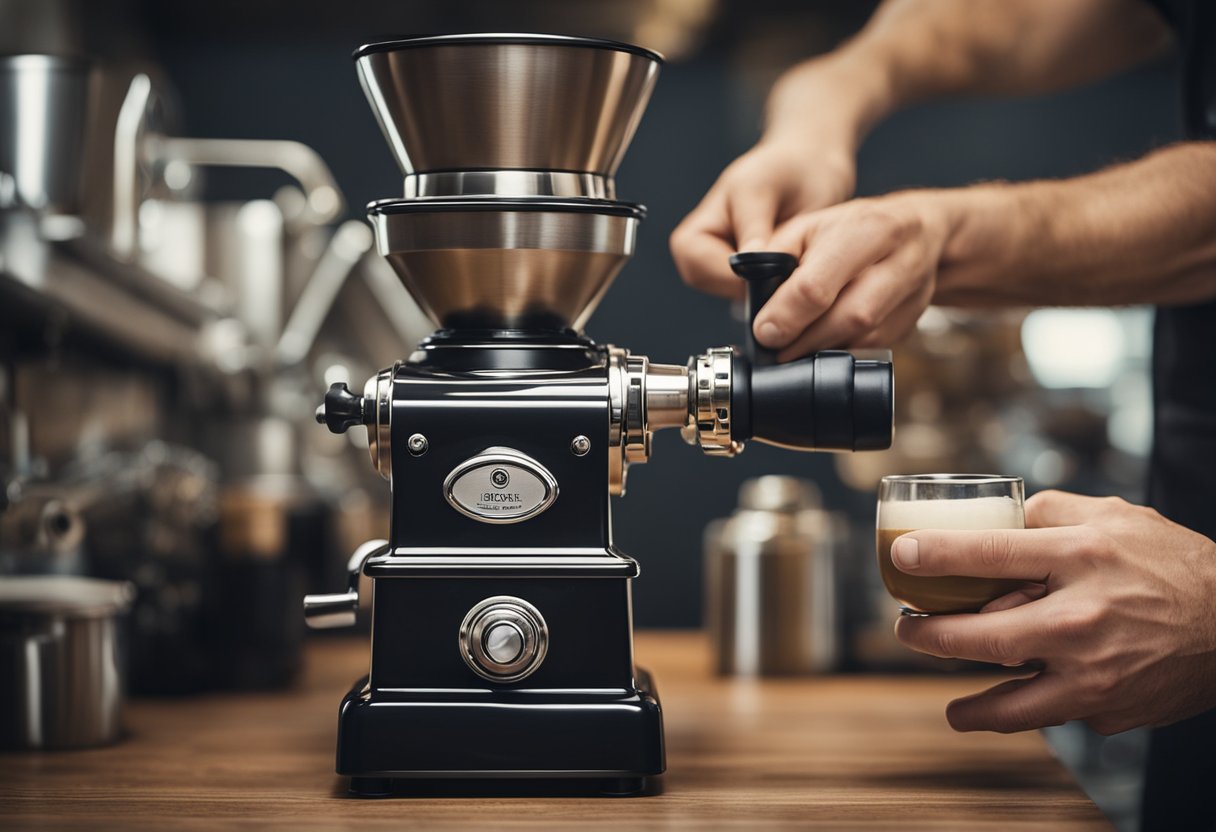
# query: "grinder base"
{"points": [[611, 741]]}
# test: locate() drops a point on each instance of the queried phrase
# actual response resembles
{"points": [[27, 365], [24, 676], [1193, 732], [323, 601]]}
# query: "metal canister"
{"points": [[770, 581], [61, 661]]}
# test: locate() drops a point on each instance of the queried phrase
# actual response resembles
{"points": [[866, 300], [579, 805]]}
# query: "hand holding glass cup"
{"points": [[909, 503]]}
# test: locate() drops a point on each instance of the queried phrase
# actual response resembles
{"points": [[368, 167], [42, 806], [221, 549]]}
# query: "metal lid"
{"points": [[505, 38], [64, 595], [573, 205], [777, 493]]}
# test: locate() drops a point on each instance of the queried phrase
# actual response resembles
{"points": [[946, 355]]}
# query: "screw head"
{"points": [[417, 444], [580, 445]]}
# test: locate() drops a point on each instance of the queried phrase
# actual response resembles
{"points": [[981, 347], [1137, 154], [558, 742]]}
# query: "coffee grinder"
{"points": [[502, 641]]}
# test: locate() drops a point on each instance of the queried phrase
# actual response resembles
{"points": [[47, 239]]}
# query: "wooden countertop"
{"points": [[862, 752]]}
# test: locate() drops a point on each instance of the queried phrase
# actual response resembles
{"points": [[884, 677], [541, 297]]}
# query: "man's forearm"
{"points": [[1142, 232], [912, 50]]}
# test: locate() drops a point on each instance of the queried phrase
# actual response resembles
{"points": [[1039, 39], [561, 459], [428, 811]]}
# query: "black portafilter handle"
{"points": [[763, 271], [829, 401]]}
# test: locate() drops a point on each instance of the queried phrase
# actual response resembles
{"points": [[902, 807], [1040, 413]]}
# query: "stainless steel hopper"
{"points": [[507, 115]]}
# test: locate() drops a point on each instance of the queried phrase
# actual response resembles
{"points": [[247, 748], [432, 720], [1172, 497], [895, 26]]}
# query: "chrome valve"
{"points": [[709, 403]]}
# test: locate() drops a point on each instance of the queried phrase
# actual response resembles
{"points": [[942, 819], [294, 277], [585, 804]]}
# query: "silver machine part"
{"points": [[503, 639], [378, 416], [61, 661], [771, 582], [139, 149], [709, 404], [528, 104], [646, 397], [44, 104], [340, 609], [500, 485], [506, 268], [508, 183]]}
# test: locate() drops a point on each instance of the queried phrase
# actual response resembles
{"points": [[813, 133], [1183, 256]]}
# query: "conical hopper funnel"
{"points": [[506, 263], [560, 108]]}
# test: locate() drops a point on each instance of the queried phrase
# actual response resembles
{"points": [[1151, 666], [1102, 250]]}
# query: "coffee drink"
{"points": [[938, 510]]}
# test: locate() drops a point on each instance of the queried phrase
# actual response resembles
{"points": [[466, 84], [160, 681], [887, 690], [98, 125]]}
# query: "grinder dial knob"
{"points": [[342, 409]]}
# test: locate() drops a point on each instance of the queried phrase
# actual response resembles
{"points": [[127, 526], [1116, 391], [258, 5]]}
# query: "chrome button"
{"points": [[503, 643], [503, 639]]}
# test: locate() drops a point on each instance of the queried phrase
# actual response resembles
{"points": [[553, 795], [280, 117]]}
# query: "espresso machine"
{"points": [[501, 618]]}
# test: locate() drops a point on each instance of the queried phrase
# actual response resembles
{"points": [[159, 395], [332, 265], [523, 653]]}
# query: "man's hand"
{"points": [[1124, 628], [868, 269], [771, 182]]}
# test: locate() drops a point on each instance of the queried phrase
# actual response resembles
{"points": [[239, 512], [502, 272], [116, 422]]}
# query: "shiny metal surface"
{"points": [[667, 396], [61, 661], [771, 582], [780, 494], [331, 611], [710, 426], [141, 152], [618, 411], [530, 103], [503, 638], [643, 397], [503, 642], [44, 104], [508, 183], [378, 395], [346, 248], [536, 486], [507, 268]]}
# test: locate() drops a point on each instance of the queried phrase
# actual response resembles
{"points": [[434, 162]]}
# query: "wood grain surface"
{"points": [[845, 752]]}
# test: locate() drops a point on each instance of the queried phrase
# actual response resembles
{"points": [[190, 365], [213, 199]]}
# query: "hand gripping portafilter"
{"points": [[495, 654]]}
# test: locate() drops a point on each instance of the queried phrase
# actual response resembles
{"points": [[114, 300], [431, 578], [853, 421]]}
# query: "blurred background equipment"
{"points": [[62, 661], [100, 356], [157, 348], [771, 581]]}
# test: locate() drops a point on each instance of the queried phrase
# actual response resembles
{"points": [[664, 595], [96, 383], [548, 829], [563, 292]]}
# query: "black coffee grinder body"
{"points": [[502, 641]]}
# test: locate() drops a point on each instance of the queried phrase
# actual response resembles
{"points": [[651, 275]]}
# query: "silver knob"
{"points": [[503, 642], [503, 639]]}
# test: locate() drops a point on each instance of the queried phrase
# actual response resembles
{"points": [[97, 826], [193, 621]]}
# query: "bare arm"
{"points": [[1141, 232], [911, 50]]}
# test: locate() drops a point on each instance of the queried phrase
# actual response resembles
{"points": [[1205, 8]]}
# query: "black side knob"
{"points": [[342, 409], [764, 271], [828, 401]]}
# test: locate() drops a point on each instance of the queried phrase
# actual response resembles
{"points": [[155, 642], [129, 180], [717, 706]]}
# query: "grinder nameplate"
{"points": [[500, 485]]}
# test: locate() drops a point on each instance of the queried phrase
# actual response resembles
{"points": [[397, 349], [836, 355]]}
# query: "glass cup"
{"points": [[945, 501]]}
